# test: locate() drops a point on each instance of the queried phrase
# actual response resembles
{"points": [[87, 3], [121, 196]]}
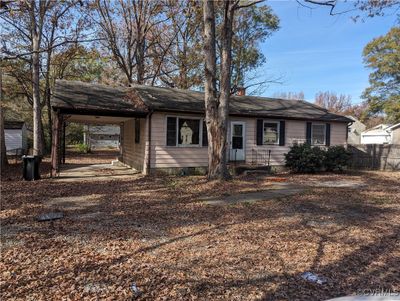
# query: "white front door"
{"points": [[237, 143]]}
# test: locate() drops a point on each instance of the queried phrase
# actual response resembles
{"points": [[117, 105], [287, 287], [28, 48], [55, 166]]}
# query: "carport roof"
{"points": [[74, 95], [87, 98]]}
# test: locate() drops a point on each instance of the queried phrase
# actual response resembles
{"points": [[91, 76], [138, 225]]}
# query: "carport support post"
{"points": [[55, 145], [63, 143]]}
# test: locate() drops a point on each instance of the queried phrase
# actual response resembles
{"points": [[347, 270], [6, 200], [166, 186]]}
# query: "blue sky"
{"points": [[314, 51]]}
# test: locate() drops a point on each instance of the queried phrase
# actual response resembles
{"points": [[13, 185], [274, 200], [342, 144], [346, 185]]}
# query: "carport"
{"points": [[74, 101]]}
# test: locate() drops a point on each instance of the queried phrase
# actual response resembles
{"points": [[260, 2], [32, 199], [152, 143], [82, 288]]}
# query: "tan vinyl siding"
{"points": [[338, 133], [295, 132], [163, 156], [133, 154]]}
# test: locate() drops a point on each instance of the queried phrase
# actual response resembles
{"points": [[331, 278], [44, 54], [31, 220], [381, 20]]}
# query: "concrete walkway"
{"points": [[96, 172], [338, 184], [276, 191]]}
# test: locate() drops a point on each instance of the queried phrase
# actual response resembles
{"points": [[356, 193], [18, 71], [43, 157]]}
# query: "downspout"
{"points": [[347, 131], [149, 144]]}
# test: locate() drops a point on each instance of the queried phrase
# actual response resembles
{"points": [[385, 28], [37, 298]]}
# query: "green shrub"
{"points": [[83, 148], [336, 158], [74, 133], [308, 159], [304, 158]]}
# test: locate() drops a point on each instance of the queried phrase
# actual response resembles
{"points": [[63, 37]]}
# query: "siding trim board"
{"points": [[134, 154]]}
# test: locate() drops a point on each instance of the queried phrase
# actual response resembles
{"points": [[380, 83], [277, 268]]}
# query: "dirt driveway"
{"points": [[155, 232]]}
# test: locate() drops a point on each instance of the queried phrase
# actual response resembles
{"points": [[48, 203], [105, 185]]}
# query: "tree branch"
{"points": [[249, 4], [21, 55]]}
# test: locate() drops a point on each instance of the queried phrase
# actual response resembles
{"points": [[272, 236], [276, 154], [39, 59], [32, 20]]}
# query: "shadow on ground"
{"points": [[154, 231]]}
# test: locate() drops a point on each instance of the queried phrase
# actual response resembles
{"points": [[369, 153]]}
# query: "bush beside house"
{"points": [[308, 159], [336, 158]]}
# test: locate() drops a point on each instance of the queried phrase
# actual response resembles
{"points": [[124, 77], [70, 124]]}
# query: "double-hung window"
{"points": [[271, 132], [186, 131], [318, 134]]}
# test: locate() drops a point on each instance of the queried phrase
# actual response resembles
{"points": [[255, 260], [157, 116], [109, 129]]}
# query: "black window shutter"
{"points": [[282, 133], [205, 137], [171, 131], [260, 123], [328, 134], [308, 133], [137, 130]]}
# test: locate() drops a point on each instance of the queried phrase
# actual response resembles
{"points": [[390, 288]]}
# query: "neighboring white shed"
{"points": [[102, 136], [380, 134], [15, 137]]}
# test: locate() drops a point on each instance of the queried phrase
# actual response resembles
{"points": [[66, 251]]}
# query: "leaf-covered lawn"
{"points": [[152, 231]]}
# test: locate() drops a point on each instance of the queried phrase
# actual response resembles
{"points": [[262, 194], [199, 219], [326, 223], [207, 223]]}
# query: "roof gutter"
{"points": [[100, 112]]}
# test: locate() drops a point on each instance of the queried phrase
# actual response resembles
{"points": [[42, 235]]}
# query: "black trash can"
{"points": [[31, 167]]}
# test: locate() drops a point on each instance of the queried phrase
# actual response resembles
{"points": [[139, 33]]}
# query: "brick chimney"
{"points": [[241, 91]]}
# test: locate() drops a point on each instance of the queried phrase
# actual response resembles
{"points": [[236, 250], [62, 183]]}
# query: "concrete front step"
{"points": [[246, 169], [257, 171]]}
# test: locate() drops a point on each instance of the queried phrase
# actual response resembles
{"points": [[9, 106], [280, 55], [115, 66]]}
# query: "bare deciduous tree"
{"points": [[333, 102], [290, 95], [32, 28], [360, 9], [183, 63], [129, 31]]}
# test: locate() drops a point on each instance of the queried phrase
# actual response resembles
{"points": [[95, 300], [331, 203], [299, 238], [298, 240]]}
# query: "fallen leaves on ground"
{"points": [[153, 232]]}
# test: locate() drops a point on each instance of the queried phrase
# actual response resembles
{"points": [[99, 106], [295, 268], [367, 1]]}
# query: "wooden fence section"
{"points": [[375, 156]]}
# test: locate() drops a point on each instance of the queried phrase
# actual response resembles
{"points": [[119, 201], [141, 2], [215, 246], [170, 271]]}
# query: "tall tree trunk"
{"points": [[47, 88], [36, 32], [48, 96], [225, 76], [216, 111], [37, 110], [140, 59], [4, 160]]}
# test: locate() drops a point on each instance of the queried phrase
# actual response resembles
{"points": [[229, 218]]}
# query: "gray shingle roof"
{"points": [[94, 97], [73, 94]]}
